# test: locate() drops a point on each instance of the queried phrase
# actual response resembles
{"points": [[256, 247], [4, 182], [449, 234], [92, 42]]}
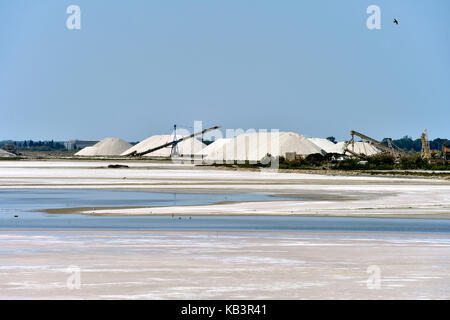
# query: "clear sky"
{"points": [[137, 67]]}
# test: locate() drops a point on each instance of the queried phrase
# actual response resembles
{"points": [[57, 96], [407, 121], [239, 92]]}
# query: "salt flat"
{"points": [[222, 265], [326, 194], [124, 264]]}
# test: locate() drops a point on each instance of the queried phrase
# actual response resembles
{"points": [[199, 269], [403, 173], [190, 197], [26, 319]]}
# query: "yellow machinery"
{"points": [[426, 153], [446, 152], [433, 156]]}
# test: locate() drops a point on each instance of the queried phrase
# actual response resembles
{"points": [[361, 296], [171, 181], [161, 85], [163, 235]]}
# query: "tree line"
{"points": [[30, 145], [408, 144]]}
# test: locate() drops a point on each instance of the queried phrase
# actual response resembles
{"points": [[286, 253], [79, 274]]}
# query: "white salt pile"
{"points": [[324, 144], [106, 147], [6, 154], [255, 146], [185, 148], [213, 148], [88, 151], [358, 147]]}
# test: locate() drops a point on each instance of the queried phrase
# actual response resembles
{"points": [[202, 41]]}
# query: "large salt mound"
{"points": [[255, 146], [6, 154], [324, 144], [213, 148], [359, 147], [88, 151], [185, 148], [106, 147]]}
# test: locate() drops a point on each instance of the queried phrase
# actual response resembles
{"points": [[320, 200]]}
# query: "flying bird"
{"points": [[395, 21]]}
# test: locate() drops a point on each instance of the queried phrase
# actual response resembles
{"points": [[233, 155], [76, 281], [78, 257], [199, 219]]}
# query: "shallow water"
{"points": [[20, 202]]}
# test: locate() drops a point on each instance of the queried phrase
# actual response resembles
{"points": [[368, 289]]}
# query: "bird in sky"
{"points": [[395, 21]]}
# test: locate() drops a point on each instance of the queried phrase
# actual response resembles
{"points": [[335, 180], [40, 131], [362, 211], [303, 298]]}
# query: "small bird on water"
{"points": [[395, 21]]}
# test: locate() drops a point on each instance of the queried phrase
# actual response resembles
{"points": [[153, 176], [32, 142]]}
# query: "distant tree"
{"points": [[437, 143], [332, 139], [405, 143]]}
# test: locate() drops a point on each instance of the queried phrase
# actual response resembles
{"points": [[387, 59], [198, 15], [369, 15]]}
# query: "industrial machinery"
{"points": [[425, 153], [434, 156], [173, 144], [358, 155], [446, 152], [11, 149], [389, 149]]}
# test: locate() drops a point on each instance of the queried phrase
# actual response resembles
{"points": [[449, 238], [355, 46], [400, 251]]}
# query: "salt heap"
{"points": [[256, 145], [358, 147], [212, 149], [88, 151], [324, 144], [185, 148], [6, 154], [106, 147]]}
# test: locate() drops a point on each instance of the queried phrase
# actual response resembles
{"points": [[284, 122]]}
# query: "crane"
{"points": [[388, 149], [173, 144], [425, 153]]}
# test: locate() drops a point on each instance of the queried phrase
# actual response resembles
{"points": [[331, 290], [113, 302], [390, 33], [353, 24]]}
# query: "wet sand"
{"points": [[224, 265]]}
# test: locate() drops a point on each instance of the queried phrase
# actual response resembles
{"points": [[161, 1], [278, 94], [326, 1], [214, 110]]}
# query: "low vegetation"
{"points": [[379, 162], [337, 162], [33, 146]]}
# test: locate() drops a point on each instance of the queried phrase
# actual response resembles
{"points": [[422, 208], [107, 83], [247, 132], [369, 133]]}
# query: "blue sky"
{"points": [[137, 67]]}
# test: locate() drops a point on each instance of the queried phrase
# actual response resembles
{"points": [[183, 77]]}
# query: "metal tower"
{"points": [[175, 152]]}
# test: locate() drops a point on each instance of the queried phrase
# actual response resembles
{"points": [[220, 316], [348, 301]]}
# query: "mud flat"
{"points": [[222, 265]]}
